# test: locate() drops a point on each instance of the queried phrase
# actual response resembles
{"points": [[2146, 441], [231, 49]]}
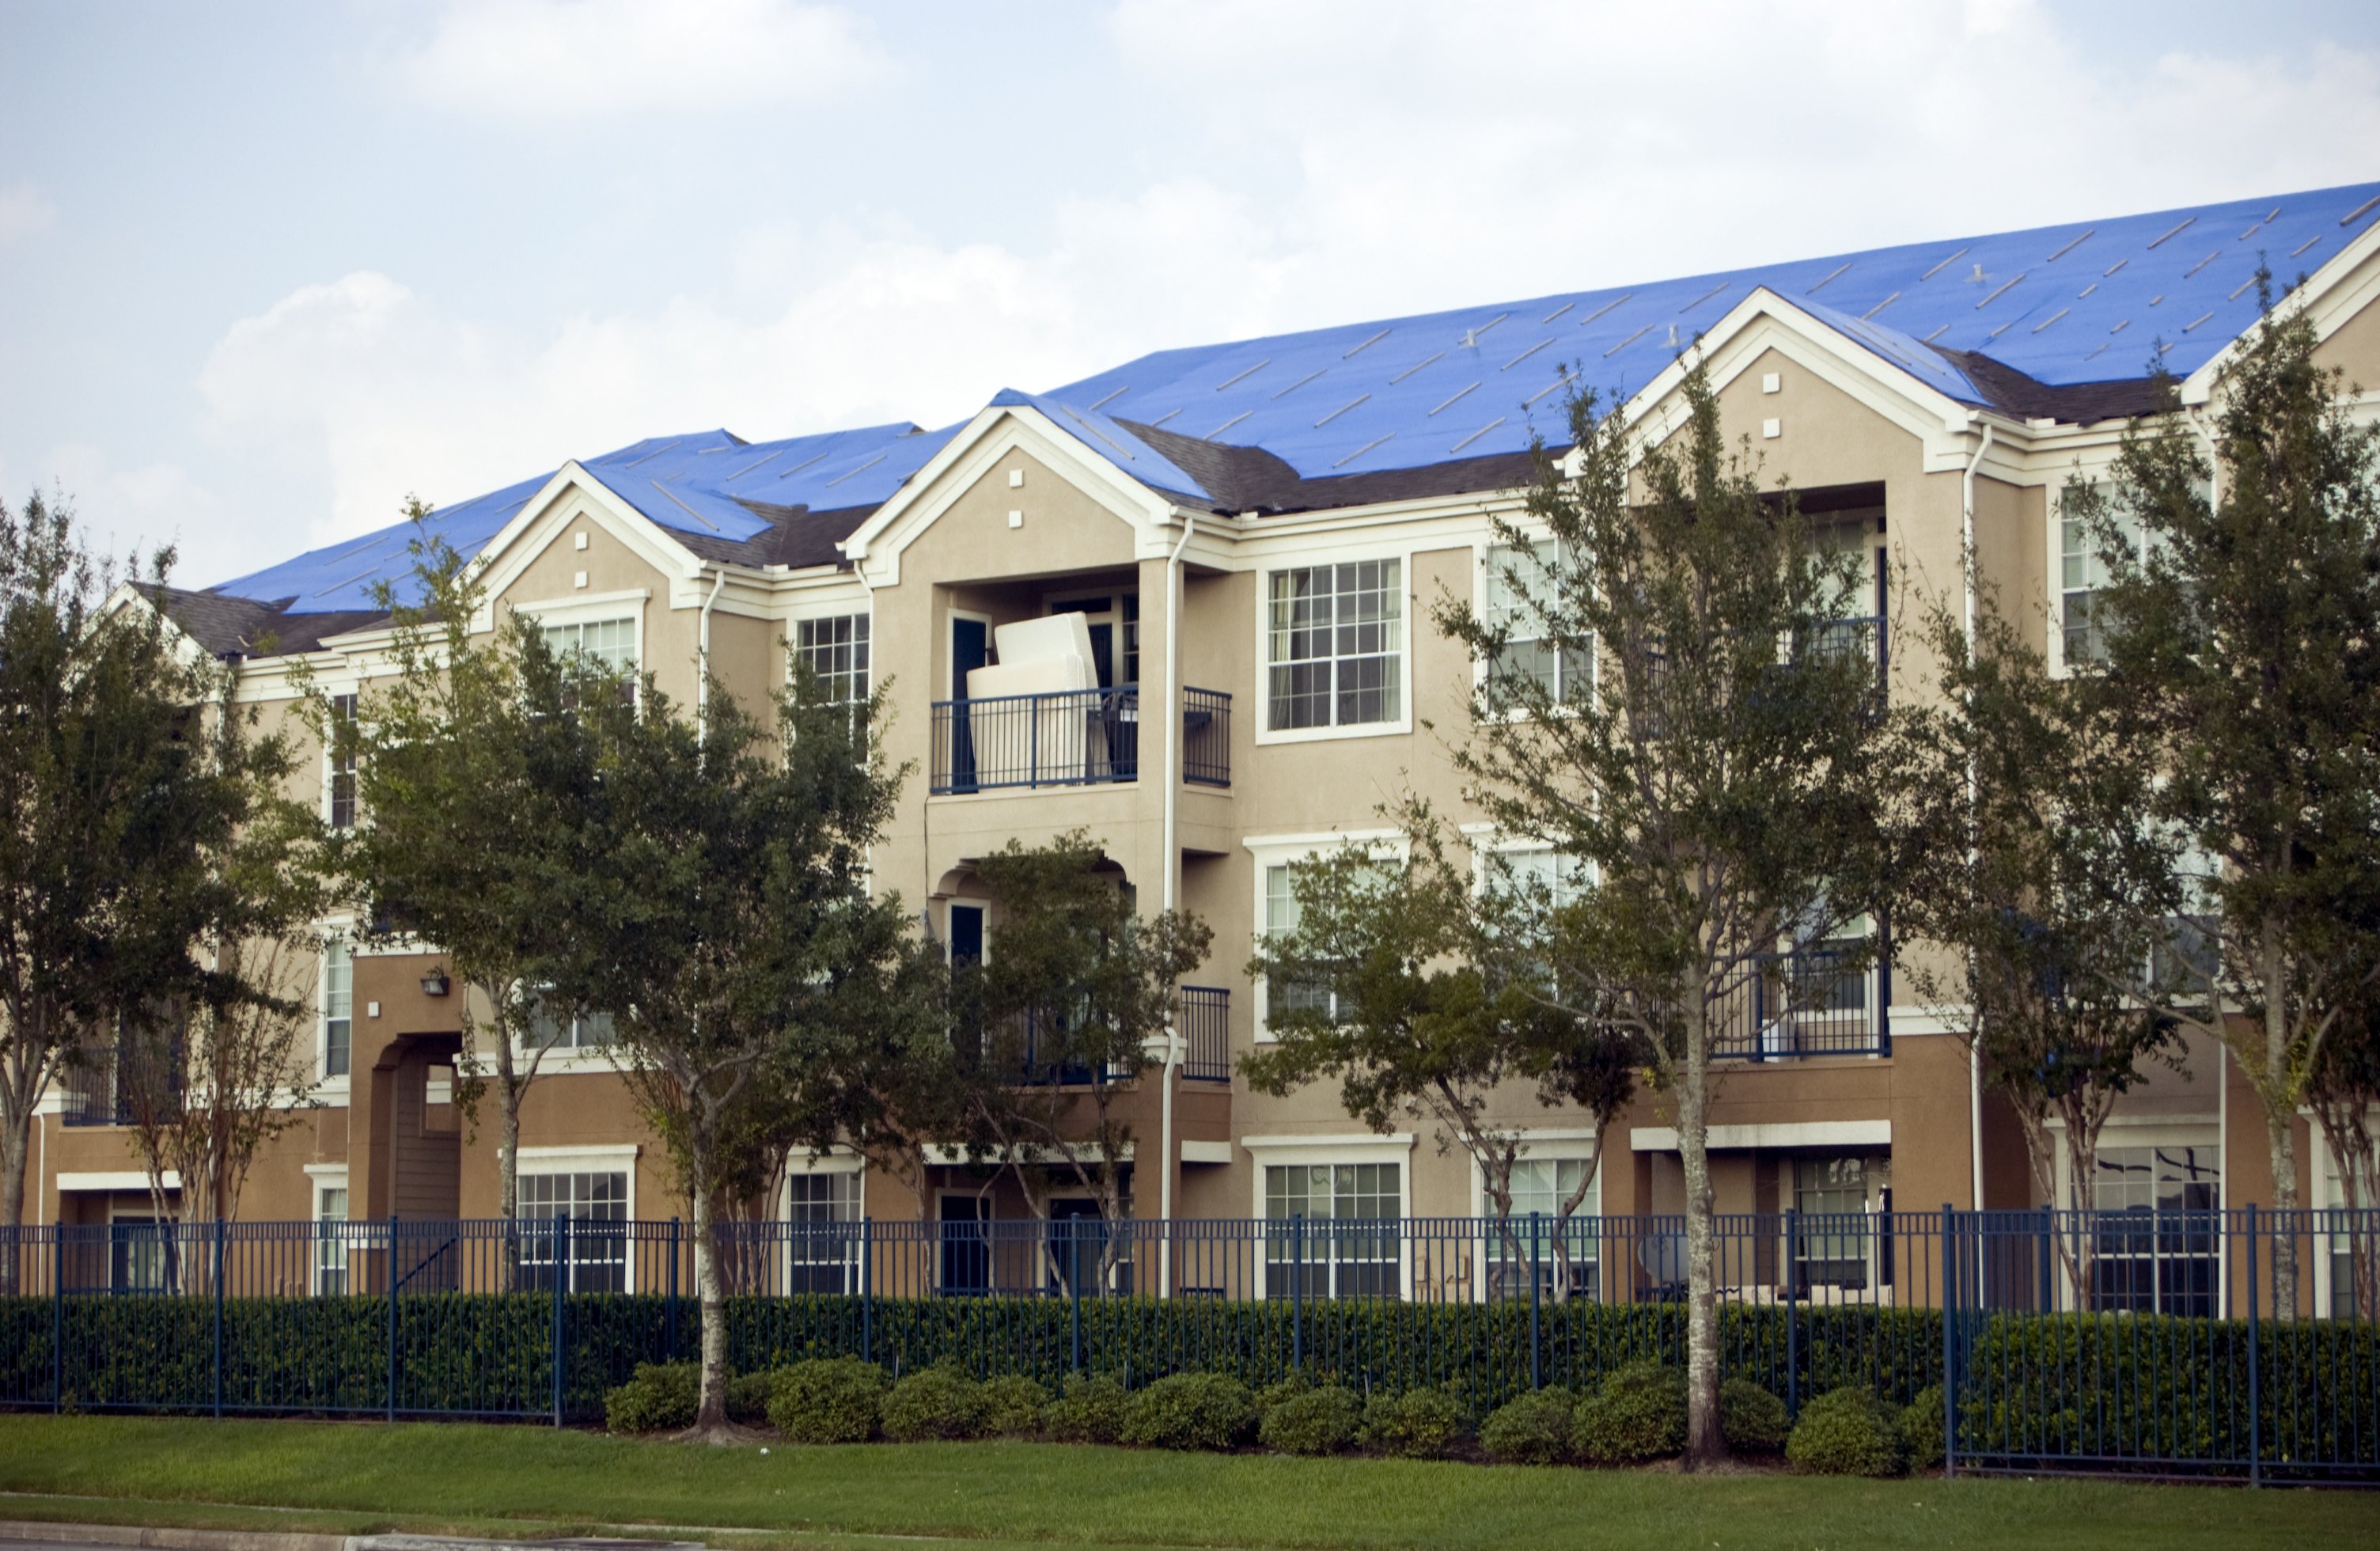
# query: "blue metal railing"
{"points": [[1817, 1001], [1203, 1015], [2222, 1342], [1077, 737]]}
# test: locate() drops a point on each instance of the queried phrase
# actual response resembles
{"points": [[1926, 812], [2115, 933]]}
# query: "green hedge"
{"points": [[2159, 1387], [490, 1354]]}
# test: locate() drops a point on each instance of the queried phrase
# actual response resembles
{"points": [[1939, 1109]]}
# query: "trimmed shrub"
{"points": [[1638, 1414], [828, 1399], [937, 1402], [1533, 1430], [747, 1396], [1011, 1407], [1921, 1429], [662, 1397], [1320, 1421], [1191, 1410], [1753, 1420], [1287, 1390], [1846, 1431], [1419, 1424], [1090, 1410]]}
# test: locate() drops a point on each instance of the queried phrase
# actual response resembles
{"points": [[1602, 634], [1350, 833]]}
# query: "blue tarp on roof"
{"points": [[2090, 302], [692, 484]]}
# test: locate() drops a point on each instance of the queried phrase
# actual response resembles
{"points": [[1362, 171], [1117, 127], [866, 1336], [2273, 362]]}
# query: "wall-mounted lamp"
{"points": [[434, 984]]}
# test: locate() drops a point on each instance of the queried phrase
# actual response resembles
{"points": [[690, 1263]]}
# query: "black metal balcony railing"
{"points": [[1815, 1002], [1860, 639], [107, 1086], [1204, 1017], [1075, 738]]}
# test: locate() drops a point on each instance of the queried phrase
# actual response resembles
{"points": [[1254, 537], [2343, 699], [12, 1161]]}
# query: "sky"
{"points": [[266, 269]]}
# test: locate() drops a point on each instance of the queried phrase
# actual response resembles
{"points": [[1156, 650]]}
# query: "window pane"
{"points": [[836, 650], [1335, 643], [338, 1008]]}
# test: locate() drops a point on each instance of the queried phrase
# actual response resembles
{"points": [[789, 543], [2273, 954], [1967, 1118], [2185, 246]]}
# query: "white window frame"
{"points": [[321, 1178], [856, 608], [340, 932], [1483, 569], [349, 690], [2150, 1131], [596, 608], [1275, 851], [1397, 1148], [838, 1164], [1557, 1145], [1401, 723], [609, 1159]]}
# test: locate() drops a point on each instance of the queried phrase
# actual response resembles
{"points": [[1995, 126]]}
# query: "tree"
{"points": [[207, 1082], [727, 894], [470, 770], [1421, 988], [2052, 889], [1713, 752], [2245, 626], [1064, 1014], [126, 774]]}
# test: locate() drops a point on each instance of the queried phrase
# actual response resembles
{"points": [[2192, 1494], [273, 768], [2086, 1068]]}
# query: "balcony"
{"points": [[117, 1086], [1817, 1001], [1075, 738], [1204, 1019]]}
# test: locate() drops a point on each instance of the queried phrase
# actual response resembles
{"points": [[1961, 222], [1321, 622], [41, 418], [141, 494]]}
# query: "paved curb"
{"points": [[278, 1540], [175, 1539]]}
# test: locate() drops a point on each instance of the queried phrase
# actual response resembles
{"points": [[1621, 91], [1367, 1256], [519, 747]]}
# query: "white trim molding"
{"points": [[114, 1179], [1783, 1133]]}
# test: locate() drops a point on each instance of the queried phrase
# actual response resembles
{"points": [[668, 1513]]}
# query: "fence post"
{"points": [[673, 1290], [219, 1316], [1297, 1293], [2255, 1378], [1949, 1361], [390, 1280], [867, 1290], [561, 1281], [2046, 1298], [57, 1317], [1793, 1328], [1075, 1286], [1536, 1368], [1033, 754]]}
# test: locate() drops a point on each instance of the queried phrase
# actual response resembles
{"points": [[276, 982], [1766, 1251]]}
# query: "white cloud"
{"points": [[575, 58], [1355, 158], [126, 511], [24, 210]]}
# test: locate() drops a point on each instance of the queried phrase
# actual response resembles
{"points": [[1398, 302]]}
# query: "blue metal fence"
{"points": [[2230, 1343]]}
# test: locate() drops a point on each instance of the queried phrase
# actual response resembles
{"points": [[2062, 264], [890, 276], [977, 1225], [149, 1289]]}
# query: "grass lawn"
{"points": [[527, 1480]]}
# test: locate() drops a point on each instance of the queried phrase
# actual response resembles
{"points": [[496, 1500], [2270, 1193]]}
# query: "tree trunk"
{"points": [[2280, 1117], [508, 1173], [15, 1135], [1705, 1443], [711, 1415]]}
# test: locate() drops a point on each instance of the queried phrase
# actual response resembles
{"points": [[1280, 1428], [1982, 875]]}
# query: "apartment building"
{"points": [[1232, 553]]}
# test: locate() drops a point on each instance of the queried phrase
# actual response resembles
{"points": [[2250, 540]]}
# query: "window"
{"points": [[835, 651], [597, 1205], [1520, 595], [343, 764], [2157, 1250], [550, 1031], [1336, 644], [2083, 571], [1831, 1243], [338, 1008], [2187, 961], [1131, 638], [331, 1239], [1304, 1251], [823, 1253], [1279, 916], [1541, 1185], [137, 1253], [611, 642]]}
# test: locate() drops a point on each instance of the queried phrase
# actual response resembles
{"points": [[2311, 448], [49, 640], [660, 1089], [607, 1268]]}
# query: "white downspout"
{"points": [[1967, 568], [702, 665], [1169, 871]]}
